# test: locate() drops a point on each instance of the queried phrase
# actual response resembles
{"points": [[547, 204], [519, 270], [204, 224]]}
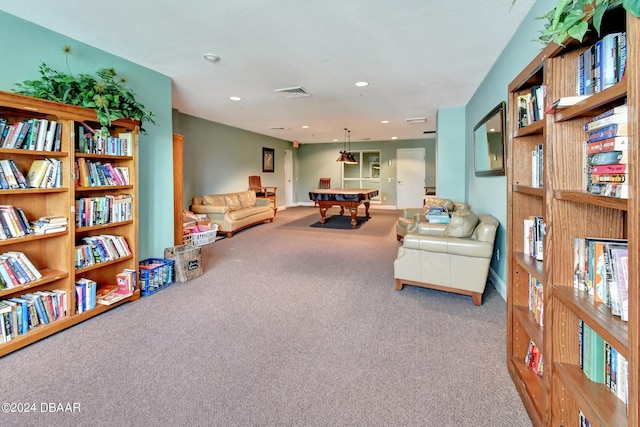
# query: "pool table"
{"points": [[345, 198]]}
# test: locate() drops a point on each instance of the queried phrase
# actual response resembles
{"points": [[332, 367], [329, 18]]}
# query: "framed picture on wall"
{"points": [[268, 155]]}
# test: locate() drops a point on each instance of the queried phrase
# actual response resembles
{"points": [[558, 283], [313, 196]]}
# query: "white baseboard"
{"points": [[500, 286]]}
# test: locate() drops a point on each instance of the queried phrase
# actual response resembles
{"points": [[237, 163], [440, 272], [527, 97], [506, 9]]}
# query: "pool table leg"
{"points": [[323, 214], [354, 215], [366, 209]]}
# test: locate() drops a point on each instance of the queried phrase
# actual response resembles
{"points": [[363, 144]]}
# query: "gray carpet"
{"points": [[289, 326]]}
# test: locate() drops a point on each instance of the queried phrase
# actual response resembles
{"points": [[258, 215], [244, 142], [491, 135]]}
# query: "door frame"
{"points": [[422, 152], [288, 177]]}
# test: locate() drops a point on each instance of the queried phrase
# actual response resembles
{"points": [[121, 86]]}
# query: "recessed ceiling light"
{"points": [[362, 84], [235, 98], [335, 140], [305, 127], [211, 57], [384, 121], [394, 137]]}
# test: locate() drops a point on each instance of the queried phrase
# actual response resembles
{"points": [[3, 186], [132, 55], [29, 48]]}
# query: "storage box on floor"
{"points": [[187, 261], [155, 274]]}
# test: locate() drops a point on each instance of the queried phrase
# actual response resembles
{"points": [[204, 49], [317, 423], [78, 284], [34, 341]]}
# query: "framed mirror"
{"points": [[489, 143]]}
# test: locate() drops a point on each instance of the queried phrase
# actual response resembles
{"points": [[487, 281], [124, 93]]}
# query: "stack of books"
{"points": [[438, 215], [49, 224], [605, 169]]}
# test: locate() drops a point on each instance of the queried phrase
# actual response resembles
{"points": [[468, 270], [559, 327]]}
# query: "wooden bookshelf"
{"points": [[558, 397], [53, 254]]}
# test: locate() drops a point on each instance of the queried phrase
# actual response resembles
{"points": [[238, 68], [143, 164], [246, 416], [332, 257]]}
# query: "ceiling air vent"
{"points": [[417, 120], [293, 92]]}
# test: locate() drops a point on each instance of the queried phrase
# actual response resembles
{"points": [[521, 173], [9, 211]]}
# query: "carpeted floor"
{"points": [[290, 325]]}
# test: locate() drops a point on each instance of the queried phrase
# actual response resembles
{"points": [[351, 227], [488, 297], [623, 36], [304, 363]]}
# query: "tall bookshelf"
{"points": [[54, 254], [563, 392]]}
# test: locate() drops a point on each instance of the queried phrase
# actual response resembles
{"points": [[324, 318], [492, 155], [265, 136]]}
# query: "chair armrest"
{"points": [[411, 212]]}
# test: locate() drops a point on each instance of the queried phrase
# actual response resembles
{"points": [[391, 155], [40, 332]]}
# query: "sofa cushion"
{"points": [[232, 201], [247, 212], [247, 198], [213, 200], [462, 224]]}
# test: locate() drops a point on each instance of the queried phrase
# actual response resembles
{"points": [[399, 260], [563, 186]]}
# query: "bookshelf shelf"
{"points": [[602, 404], [569, 389], [104, 188], [53, 254]]}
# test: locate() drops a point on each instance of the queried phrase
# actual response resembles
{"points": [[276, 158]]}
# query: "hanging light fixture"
{"points": [[344, 157], [352, 159]]}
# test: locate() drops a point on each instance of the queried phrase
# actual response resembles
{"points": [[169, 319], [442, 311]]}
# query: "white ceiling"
{"points": [[417, 55]]}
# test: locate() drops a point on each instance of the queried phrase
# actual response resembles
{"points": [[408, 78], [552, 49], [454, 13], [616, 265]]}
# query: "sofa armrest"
{"points": [[208, 209], [410, 213], [449, 245]]}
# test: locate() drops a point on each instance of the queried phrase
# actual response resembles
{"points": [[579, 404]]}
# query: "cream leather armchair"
{"points": [[452, 264], [407, 222]]}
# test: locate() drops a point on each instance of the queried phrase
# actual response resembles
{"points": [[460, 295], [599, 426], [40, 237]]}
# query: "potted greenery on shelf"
{"points": [[104, 92], [570, 18]]}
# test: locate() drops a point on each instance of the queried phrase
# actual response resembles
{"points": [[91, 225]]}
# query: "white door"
{"points": [[410, 177], [288, 177]]}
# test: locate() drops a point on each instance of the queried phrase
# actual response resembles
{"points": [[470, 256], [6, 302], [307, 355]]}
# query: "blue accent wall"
{"points": [[26, 45], [489, 194], [450, 155]]}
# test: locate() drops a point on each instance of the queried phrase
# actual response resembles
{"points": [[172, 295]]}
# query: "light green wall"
{"points": [[489, 194], [25, 46], [319, 160], [220, 158], [450, 156]]}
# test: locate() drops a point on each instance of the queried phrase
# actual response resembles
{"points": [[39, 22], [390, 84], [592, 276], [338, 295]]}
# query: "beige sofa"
{"points": [[453, 264], [234, 211], [407, 221]]}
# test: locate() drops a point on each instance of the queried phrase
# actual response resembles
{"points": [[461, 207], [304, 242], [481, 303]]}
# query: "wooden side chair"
{"points": [[324, 183], [269, 192]]}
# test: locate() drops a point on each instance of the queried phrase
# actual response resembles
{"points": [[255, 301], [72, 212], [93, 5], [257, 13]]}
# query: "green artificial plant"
{"points": [[104, 92], [569, 18]]}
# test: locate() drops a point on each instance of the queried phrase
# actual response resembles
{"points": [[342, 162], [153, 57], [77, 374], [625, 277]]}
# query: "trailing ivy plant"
{"points": [[104, 92], [570, 18]]}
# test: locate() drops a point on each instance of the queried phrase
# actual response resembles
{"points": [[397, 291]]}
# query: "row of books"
{"points": [[605, 153], [16, 269], [45, 173], [19, 315], [537, 166], [31, 134], [102, 248], [13, 222], [601, 362], [602, 65], [96, 174], [534, 237], [534, 359], [601, 269], [103, 210], [536, 300], [92, 141], [531, 105]]}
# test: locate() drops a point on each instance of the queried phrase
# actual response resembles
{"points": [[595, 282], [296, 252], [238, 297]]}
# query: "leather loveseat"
{"points": [[446, 263], [234, 211], [407, 221]]}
